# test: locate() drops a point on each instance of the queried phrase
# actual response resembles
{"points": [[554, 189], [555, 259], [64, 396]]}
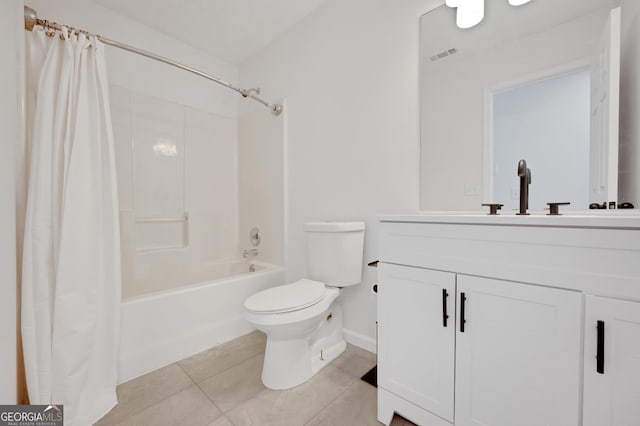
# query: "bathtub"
{"points": [[191, 308]]}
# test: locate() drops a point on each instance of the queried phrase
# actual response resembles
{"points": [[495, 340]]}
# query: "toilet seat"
{"points": [[286, 298]]}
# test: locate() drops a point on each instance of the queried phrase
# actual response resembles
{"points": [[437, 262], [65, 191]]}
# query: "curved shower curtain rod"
{"points": [[31, 20]]}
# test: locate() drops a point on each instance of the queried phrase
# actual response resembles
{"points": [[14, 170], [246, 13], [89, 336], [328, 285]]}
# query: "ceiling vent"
{"points": [[443, 54]]}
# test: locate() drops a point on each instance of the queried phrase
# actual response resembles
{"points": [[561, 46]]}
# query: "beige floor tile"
{"points": [[221, 421], [228, 380], [235, 385], [212, 361], [138, 394], [358, 405], [355, 361], [294, 406], [191, 407]]}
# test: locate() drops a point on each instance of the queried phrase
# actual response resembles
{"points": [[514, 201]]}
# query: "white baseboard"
{"points": [[360, 340]]}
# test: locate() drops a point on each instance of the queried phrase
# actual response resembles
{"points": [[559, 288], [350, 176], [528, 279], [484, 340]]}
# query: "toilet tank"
{"points": [[335, 250]]}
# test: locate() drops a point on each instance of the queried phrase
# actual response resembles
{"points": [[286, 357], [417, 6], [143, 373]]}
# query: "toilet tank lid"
{"points": [[333, 226], [286, 298]]}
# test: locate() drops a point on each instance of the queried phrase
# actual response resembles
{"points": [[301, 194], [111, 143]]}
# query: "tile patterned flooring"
{"points": [[221, 387]]}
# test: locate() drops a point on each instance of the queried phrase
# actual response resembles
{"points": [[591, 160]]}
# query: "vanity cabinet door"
{"points": [[611, 362], [415, 339], [518, 358]]}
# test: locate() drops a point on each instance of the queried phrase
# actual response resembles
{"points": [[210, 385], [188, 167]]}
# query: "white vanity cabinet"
{"points": [[611, 362], [518, 358], [523, 298], [416, 322]]}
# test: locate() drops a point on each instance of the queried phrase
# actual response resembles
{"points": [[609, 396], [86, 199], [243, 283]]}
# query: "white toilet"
{"points": [[303, 320]]}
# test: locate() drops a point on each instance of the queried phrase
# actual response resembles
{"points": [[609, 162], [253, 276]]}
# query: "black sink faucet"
{"points": [[525, 179]]}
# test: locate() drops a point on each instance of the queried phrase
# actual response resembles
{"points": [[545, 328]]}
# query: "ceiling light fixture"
{"points": [[470, 12]]}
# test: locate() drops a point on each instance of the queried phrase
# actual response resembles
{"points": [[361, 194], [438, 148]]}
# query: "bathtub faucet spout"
{"points": [[250, 253]]}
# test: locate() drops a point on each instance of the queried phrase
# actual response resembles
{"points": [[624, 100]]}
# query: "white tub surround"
{"points": [[509, 320], [166, 326]]}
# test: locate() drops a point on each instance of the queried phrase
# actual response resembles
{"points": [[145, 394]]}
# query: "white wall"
{"points": [[11, 136], [261, 182], [142, 74], [548, 124], [629, 154], [349, 72]]}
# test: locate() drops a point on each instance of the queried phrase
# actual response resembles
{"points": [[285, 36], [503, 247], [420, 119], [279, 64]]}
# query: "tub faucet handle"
{"points": [[493, 207], [554, 208]]}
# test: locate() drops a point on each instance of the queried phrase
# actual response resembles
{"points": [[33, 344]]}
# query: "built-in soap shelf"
{"points": [[182, 218], [161, 233]]}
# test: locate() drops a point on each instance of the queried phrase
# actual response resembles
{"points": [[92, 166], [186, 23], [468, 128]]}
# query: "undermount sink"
{"points": [[563, 212], [569, 218]]}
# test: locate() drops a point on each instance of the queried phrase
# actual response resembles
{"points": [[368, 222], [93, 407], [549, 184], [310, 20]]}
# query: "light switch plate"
{"points": [[471, 189]]}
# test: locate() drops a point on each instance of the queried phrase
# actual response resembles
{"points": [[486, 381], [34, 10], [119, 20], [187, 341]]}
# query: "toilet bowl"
{"points": [[303, 320], [295, 351]]}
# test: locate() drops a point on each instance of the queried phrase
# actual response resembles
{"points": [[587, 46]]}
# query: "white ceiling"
{"points": [[231, 30]]}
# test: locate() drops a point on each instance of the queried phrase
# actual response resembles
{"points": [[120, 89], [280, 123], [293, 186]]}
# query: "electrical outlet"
{"points": [[471, 189]]}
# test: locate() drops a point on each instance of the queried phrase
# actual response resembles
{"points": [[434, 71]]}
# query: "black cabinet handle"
{"points": [[463, 300], [444, 307], [600, 353]]}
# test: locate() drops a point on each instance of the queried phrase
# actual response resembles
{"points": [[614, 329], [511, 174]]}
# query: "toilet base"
{"points": [[291, 362]]}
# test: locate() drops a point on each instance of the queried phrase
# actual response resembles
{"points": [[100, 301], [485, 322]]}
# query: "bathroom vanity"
{"points": [[509, 320]]}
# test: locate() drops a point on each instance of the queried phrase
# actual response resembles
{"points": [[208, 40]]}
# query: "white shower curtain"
{"points": [[71, 257]]}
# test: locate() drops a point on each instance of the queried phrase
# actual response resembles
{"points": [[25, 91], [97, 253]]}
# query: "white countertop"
{"points": [[624, 219]]}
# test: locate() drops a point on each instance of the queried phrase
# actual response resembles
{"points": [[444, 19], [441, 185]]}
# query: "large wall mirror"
{"points": [[537, 82]]}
